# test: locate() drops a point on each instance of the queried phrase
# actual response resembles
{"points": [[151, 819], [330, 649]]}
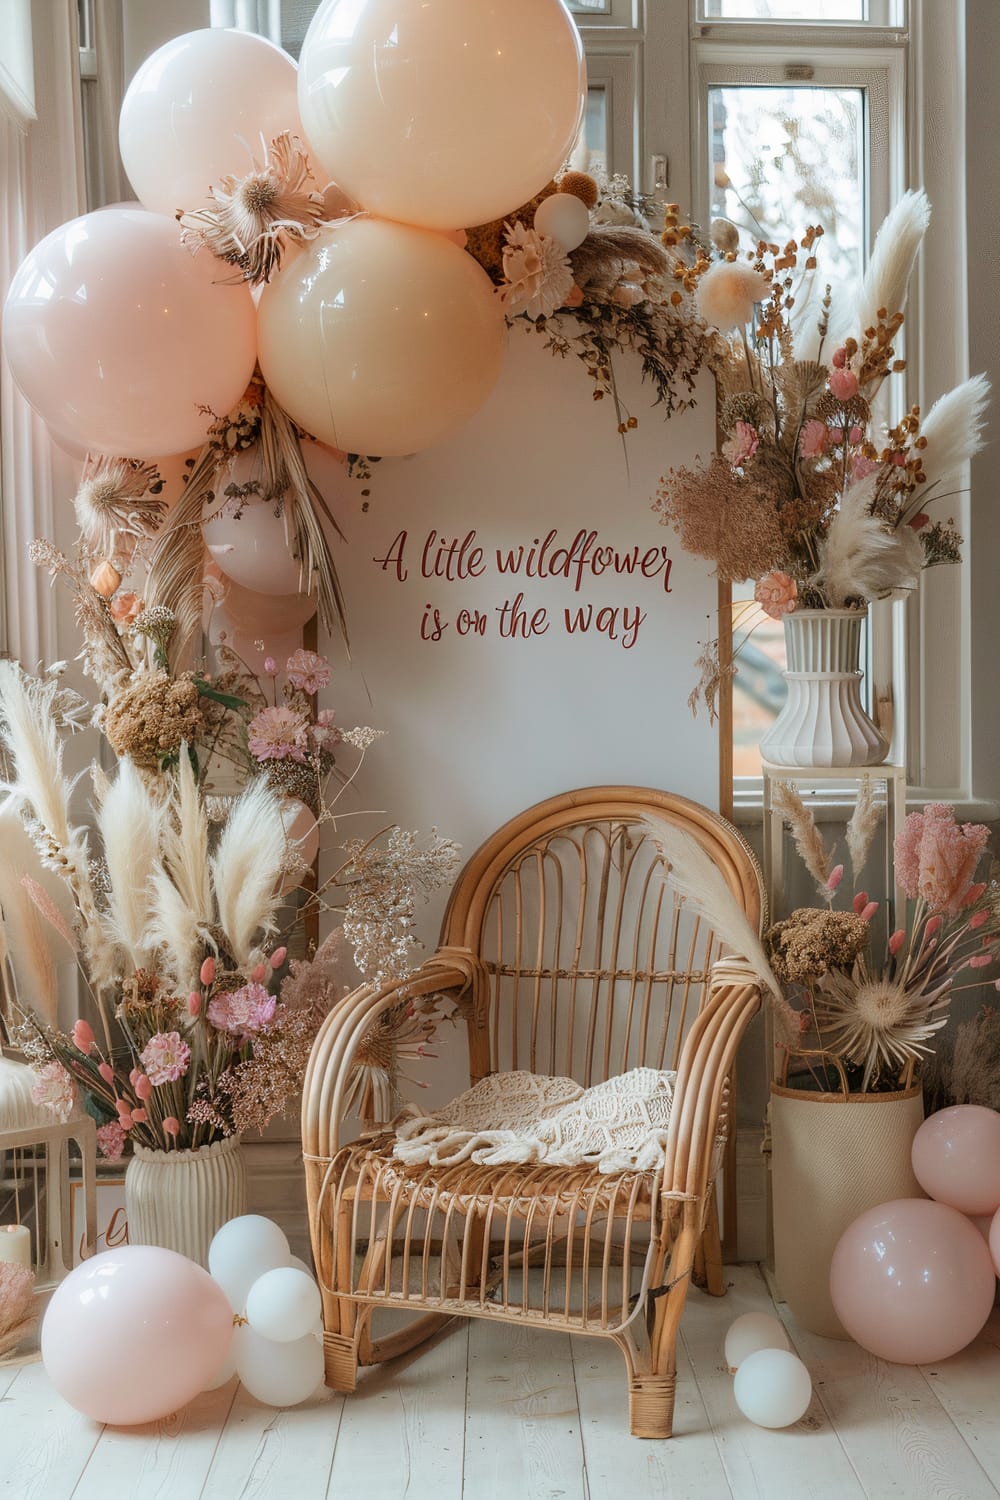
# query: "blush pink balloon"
{"points": [[120, 338], [446, 114], [380, 338], [266, 616], [135, 1333], [200, 108], [912, 1281], [993, 1239], [956, 1158]]}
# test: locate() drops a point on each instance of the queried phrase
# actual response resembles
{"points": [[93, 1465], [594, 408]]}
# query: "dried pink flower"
{"points": [[143, 1086], [126, 608], [813, 439], [165, 1057], [278, 733], [777, 594], [54, 1090], [111, 1140], [843, 384], [936, 857], [308, 671], [242, 1012], [83, 1036], [897, 940], [106, 1071], [194, 1003], [742, 446], [207, 973], [171, 1125]]}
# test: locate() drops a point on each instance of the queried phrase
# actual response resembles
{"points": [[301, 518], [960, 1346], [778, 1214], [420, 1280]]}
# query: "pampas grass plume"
{"points": [[953, 428], [728, 292]]}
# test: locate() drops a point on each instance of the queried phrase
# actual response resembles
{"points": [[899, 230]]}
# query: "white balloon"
{"points": [[749, 1333], [301, 1265], [772, 1388], [564, 218], [279, 1374], [251, 548], [283, 1305], [242, 1251]]}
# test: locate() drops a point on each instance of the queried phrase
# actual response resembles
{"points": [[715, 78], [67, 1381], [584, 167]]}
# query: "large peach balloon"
{"points": [[119, 337], [135, 1333], [445, 114], [912, 1281], [382, 338], [956, 1158], [200, 108]]}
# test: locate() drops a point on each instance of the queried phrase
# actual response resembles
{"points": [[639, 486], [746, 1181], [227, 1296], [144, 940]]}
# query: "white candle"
{"points": [[15, 1244]]}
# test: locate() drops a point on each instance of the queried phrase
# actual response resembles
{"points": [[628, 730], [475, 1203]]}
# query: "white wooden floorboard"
{"points": [[265, 1454], [403, 1430], [44, 1444], [158, 1460], [522, 1434], [804, 1462], [895, 1432], [686, 1467], [968, 1387]]}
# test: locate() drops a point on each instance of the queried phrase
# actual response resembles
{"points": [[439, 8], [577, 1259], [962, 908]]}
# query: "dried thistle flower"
{"points": [[256, 214], [117, 495], [879, 1023]]}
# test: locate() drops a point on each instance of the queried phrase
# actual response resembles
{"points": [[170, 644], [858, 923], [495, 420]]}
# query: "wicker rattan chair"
{"points": [[568, 956]]}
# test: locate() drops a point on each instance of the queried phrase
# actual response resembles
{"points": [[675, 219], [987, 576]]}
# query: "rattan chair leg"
{"points": [[340, 1361], [708, 1270], [651, 1405]]}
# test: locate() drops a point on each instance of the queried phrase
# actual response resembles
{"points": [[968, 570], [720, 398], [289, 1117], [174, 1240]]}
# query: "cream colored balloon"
{"points": [[564, 218], [446, 114], [381, 339]]}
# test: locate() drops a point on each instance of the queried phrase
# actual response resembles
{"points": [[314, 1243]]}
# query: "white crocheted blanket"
{"points": [[617, 1126]]}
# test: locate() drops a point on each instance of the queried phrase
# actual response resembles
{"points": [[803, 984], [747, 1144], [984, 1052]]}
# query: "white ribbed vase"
{"points": [[823, 721], [180, 1199]]}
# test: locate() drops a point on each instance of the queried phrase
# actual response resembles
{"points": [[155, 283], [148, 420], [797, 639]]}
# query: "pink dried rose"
{"points": [[936, 857], [814, 438], [742, 446], [308, 671], [861, 467], [125, 608], [54, 1090], [843, 384], [111, 1140], [242, 1012], [165, 1057], [278, 733], [777, 594], [323, 735]]}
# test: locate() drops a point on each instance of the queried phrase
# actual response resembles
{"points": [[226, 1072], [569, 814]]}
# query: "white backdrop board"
{"points": [[521, 623]]}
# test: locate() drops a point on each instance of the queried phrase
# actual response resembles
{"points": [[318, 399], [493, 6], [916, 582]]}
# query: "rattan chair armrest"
{"points": [[705, 1062], [333, 1052]]}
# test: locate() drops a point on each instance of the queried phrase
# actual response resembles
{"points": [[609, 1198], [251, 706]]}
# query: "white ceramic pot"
{"points": [[179, 1199], [832, 1158], [823, 721]]}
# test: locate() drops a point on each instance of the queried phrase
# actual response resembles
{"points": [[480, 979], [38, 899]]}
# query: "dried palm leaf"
{"points": [[117, 496], [801, 382], [175, 564]]}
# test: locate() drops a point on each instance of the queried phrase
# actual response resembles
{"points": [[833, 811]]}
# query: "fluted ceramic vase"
{"points": [[180, 1199], [823, 721]]}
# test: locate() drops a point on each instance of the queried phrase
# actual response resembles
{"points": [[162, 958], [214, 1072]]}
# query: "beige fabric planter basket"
{"points": [[832, 1158]]}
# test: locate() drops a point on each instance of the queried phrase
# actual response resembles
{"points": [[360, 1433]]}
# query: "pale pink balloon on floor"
{"points": [[135, 1333], [446, 114], [119, 337], [994, 1241], [200, 108], [956, 1158], [381, 339], [912, 1281]]}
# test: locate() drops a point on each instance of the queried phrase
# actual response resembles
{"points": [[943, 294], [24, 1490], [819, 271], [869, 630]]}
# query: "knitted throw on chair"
{"points": [[617, 1126]]}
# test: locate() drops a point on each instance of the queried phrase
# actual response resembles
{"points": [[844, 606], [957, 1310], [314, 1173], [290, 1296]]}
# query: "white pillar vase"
{"points": [[180, 1199], [823, 721]]}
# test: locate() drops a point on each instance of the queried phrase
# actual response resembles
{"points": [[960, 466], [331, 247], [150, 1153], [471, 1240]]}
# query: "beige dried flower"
{"points": [[150, 719], [812, 941], [878, 1022], [118, 495]]}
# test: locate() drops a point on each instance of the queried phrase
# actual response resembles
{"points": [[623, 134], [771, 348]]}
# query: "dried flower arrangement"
{"points": [[806, 497], [17, 1291], [866, 1024]]}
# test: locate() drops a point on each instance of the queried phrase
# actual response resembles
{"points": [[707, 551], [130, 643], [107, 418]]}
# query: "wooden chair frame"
{"points": [[459, 1240]]}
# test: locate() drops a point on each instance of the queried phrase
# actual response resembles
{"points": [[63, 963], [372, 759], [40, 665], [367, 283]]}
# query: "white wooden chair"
{"points": [[569, 956]]}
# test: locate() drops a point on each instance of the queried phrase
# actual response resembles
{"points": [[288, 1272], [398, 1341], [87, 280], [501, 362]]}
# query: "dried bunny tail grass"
{"points": [[254, 215], [692, 876], [599, 259], [117, 495], [863, 822], [131, 826], [246, 867], [953, 431], [860, 557], [893, 254], [807, 837]]}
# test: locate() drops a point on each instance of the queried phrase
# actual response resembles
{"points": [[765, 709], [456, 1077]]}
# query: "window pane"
{"points": [[591, 7], [785, 10], [758, 687], [590, 154], [784, 158]]}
